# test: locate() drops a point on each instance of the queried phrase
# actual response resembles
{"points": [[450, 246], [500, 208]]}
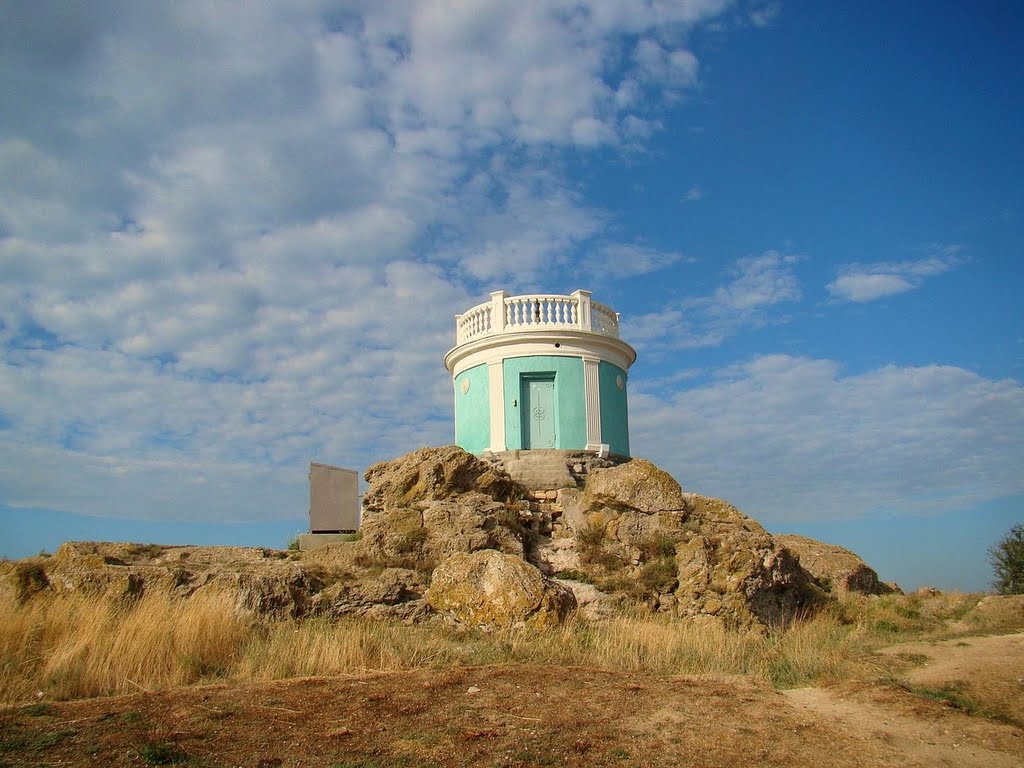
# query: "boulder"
{"points": [[434, 473], [708, 511], [591, 603], [834, 568], [637, 485], [492, 589]]}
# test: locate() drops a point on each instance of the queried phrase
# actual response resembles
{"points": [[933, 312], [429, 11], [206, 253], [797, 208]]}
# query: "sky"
{"points": [[233, 237]]}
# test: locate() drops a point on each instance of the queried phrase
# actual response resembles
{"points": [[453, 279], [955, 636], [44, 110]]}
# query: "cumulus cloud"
{"points": [[790, 438], [757, 284], [618, 260], [232, 242], [862, 283]]}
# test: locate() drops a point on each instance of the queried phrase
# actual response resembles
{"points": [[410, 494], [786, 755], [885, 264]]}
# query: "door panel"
{"points": [[539, 413]]}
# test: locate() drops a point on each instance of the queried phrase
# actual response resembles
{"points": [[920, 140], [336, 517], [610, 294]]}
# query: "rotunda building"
{"points": [[540, 371]]}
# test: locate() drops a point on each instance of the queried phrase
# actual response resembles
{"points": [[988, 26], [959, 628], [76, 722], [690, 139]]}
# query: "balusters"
{"points": [[535, 311]]}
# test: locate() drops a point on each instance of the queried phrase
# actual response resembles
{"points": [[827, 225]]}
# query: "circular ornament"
{"points": [[620, 383], [465, 386]]}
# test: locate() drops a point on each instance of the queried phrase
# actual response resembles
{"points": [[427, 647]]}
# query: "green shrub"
{"points": [[659, 576], [162, 753], [656, 546], [591, 535], [1007, 558]]}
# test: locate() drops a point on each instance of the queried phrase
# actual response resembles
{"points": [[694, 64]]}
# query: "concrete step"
{"points": [[539, 471]]}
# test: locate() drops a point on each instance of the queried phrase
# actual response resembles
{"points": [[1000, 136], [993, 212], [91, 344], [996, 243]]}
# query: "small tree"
{"points": [[1007, 558]]}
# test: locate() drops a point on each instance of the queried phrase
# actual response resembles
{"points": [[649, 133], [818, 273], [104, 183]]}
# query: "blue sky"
{"points": [[232, 241]]}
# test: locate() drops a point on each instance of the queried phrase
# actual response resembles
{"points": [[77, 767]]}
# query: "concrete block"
{"points": [[309, 541]]}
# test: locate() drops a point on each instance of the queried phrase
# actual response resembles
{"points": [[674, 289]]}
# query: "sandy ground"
{"points": [[534, 716]]}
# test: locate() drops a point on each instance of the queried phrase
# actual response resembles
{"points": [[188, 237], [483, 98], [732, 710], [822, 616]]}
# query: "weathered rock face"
{"points": [[421, 535], [637, 486], [835, 569], [434, 473], [395, 593], [265, 581], [744, 577], [492, 589], [637, 532]]}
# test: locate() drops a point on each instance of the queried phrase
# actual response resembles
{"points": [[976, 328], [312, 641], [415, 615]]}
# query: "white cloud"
{"points": [[867, 282], [233, 242], [758, 283], [861, 287], [618, 260], [789, 438], [693, 194]]}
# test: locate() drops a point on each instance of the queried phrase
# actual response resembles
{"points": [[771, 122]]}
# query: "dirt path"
{"points": [[528, 716], [984, 673], [911, 734], [990, 670]]}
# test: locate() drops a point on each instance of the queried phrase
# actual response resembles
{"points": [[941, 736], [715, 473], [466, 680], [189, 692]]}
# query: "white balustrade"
{"points": [[604, 320], [536, 312]]}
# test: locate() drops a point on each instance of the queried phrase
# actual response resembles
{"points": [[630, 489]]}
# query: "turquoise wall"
{"points": [[473, 410], [570, 399], [614, 413]]}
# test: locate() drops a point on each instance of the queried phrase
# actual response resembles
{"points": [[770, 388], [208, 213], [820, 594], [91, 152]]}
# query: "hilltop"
{"points": [[513, 611]]}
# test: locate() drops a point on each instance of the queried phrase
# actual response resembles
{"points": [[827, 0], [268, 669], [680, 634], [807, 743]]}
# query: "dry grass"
{"points": [[74, 646]]}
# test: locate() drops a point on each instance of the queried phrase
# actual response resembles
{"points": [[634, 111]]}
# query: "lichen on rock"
{"points": [[637, 485], [834, 568], [434, 473], [687, 554], [496, 590]]}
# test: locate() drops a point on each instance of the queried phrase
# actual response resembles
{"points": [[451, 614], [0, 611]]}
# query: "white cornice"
{"points": [[524, 343]]}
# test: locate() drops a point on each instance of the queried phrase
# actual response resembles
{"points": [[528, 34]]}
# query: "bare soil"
{"points": [[529, 716]]}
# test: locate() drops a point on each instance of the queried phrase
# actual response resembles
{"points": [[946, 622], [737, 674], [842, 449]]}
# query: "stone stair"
{"points": [[543, 473]]}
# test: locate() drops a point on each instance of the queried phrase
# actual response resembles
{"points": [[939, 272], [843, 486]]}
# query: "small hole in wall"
{"points": [[557, 345]]}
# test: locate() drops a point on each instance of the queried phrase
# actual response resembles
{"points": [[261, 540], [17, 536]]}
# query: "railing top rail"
{"points": [[540, 297], [505, 314]]}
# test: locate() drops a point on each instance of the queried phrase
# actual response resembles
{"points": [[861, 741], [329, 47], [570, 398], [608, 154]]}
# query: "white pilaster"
{"points": [[496, 386], [592, 390], [583, 308], [498, 312]]}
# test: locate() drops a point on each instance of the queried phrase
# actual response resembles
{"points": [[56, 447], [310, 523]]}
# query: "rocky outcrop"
{"points": [[744, 577], [636, 486], [395, 593], [636, 532], [421, 535], [834, 568], [496, 590], [265, 581], [444, 531], [430, 474]]}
